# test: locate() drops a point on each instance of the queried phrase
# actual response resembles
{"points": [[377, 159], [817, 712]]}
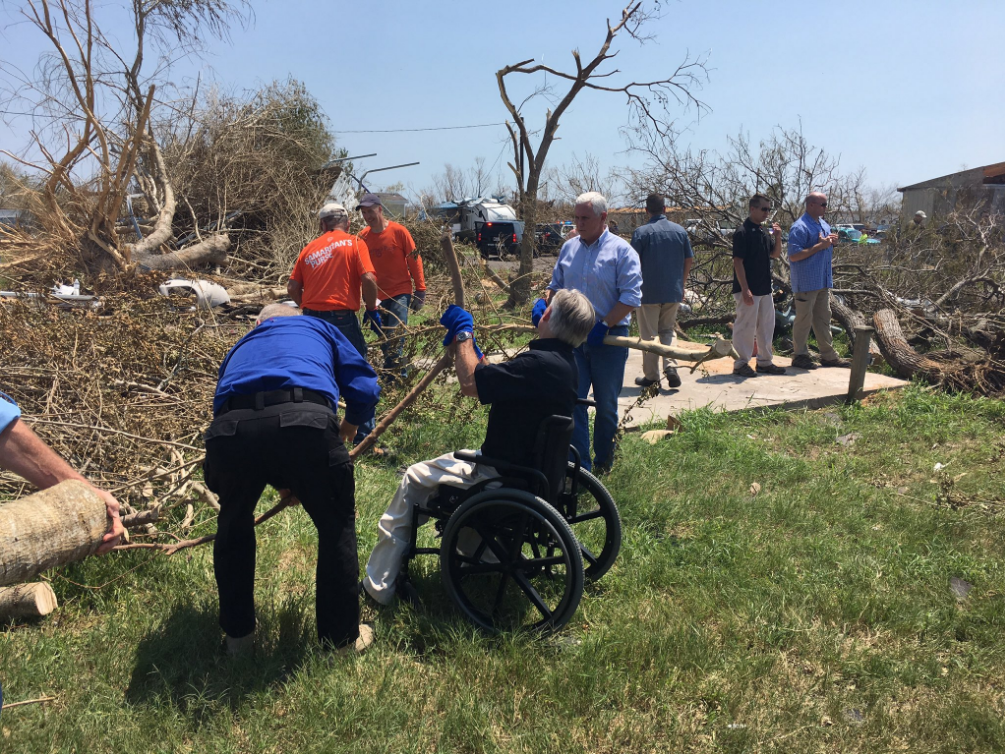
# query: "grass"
{"points": [[815, 615]]}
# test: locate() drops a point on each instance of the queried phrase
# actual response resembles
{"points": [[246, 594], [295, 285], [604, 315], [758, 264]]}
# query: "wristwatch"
{"points": [[463, 335]]}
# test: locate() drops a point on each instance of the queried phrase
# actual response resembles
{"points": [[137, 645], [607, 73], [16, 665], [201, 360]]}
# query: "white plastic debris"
{"points": [[207, 294]]}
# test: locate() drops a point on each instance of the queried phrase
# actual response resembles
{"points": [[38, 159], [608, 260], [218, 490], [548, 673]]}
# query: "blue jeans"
{"points": [[603, 368], [348, 324], [394, 315]]}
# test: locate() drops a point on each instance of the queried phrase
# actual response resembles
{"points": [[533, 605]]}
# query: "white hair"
{"points": [[572, 316], [596, 200], [277, 310]]}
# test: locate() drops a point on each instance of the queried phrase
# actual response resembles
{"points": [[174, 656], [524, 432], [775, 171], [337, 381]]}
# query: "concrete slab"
{"points": [[714, 385]]}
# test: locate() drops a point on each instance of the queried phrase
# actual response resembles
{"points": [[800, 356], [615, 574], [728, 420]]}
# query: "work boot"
{"points": [[645, 382], [803, 361], [744, 371], [363, 641], [673, 379], [838, 362], [770, 369]]}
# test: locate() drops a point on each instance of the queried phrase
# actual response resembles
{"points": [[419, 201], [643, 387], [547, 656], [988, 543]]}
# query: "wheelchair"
{"points": [[516, 550]]}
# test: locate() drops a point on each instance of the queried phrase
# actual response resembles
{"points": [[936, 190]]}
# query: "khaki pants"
{"points": [[756, 322], [813, 308], [657, 319]]}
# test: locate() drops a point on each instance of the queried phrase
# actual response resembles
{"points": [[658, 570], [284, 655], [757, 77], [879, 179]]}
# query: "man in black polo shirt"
{"points": [[753, 250], [524, 391]]}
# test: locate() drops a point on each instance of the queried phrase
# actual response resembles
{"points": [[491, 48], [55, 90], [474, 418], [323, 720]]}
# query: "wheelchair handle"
{"points": [[586, 402]]}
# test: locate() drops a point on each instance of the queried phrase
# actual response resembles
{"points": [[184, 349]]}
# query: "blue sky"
{"points": [[907, 90]]}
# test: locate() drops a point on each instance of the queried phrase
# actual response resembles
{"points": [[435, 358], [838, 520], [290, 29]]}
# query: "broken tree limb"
{"points": [[163, 231], [27, 601], [699, 353], [898, 353], [211, 251], [60, 525]]}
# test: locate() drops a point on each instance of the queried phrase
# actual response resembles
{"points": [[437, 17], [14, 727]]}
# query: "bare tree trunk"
{"points": [[162, 232], [905, 360], [27, 601], [211, 251], [53, 527], [520, 288], [851, 320]]}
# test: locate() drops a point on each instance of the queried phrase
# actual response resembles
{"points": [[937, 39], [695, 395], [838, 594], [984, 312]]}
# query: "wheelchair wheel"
{"points": [[510, 562], [593, 517]]}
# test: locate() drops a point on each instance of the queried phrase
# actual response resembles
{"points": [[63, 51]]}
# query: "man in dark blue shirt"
{"points": [[523, 392], [665, 256], [275, 424]]}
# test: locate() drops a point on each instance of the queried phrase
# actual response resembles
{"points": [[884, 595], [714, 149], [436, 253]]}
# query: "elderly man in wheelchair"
{"points": [[522, 526]]}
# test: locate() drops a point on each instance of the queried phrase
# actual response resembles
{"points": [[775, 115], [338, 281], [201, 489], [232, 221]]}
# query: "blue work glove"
{"points": [[597, 334], [455, 319], [376, 324], [418, 300], [540, 306]]}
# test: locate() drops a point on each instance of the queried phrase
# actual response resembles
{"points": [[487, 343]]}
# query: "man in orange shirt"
{"points": [[398, 267], [327, 278]]}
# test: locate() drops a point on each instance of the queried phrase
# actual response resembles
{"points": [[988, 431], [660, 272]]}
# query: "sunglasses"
{"points": [[764, 209], [822, 204]]}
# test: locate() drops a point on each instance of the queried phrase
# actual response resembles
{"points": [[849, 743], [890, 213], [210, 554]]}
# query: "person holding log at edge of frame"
{"points": [[24, 453]]}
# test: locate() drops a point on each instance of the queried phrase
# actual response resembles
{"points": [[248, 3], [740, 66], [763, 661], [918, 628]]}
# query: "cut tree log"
{"points": [[211, 251], [851, 320], [60, 525], [898, 353], [27, 601], [683, 351]]}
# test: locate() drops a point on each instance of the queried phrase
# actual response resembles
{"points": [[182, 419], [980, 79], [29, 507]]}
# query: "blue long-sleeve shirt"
{"points": [[305, 352], [607, 272], [9, 411]]}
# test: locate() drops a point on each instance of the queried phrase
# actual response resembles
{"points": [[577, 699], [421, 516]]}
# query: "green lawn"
{"points": [[816, 615]]}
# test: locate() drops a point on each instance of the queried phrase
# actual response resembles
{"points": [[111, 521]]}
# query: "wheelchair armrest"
{"points": [[586, 402], [504, 467]]}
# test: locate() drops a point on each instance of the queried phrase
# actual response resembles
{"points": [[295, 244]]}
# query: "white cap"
{"points": [[921, 214], [331, 209]]}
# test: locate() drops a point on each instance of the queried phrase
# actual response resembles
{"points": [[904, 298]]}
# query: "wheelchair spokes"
{"points": [[526, 571]]}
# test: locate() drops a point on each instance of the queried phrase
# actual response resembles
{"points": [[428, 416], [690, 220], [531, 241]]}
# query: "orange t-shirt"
{"points": [[330, 269], [393, 254]]}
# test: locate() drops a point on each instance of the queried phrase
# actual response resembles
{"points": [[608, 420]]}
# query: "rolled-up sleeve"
{"points": [[9, 412], [629, 278], [799, 239]]}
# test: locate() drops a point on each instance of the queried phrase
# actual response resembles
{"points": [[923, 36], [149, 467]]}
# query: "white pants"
{"points": [[753, 323], [394, 531], [657, 319]]}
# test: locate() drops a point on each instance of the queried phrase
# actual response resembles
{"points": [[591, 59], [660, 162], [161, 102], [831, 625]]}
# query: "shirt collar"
{"points": [[656, 219], [748, 223], [549, 344], [600, 239]]}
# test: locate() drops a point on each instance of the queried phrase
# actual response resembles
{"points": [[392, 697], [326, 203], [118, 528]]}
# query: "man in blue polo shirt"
{"points": [[275, 424], [606, 269], [811, 245]]}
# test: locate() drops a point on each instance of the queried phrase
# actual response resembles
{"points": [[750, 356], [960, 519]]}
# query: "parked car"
{"points": [[851, 235], [498, 238], [549, 236]]}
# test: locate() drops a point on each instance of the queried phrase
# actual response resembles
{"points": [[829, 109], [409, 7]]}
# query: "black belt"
{"points": [[258, 401]]}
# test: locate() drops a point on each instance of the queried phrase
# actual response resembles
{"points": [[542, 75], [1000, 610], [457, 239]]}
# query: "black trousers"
{"points": [[295, 446]]}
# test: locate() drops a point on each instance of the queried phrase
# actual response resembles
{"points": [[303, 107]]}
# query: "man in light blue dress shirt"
{"points": [[606, 269], [811, 249]]}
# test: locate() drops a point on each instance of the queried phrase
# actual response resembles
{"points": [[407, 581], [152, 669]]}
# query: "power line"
{"points": [[411, 130]]}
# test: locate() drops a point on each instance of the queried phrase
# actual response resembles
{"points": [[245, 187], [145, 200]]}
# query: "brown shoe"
{"points": [[744, 371], [838, 362], [802, 361]]}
